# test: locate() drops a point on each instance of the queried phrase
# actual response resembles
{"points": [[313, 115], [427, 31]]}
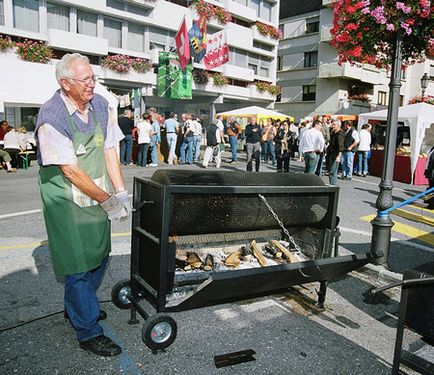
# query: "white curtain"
{"points": [[26, 14], [57, 17], [136, 40], [113, 32], [2, 13], [86, 23]]}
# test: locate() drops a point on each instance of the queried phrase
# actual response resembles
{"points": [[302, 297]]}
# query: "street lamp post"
{"points": [[382, 223], [424, 83]]}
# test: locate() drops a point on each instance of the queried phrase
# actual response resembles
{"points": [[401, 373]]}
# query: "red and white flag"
{"points": [[183, 45], [217, 51]]}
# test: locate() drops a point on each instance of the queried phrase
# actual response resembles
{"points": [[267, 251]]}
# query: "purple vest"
{"points": [[54, 112]]}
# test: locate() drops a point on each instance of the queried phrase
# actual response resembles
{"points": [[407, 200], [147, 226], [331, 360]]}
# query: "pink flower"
{"points": [[403, 7], [365, 11], [378, 14], [390, 27], [406, 27]]}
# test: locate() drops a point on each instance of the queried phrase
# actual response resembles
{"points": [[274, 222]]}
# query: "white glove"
{"points": [[114, 208], [125, 200]]}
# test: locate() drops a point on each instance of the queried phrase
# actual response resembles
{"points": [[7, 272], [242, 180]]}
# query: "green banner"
{"points": [[172, 82]]}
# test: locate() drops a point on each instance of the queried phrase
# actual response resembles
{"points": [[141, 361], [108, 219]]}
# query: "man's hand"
{"points": [[114, 208], [125, 200]]}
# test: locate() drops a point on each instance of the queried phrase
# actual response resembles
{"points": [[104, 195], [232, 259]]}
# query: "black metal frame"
{"points": [[152, 276]]}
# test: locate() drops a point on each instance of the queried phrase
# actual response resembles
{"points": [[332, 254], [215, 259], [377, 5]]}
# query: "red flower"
{"points": [[351, 26], [355, 52]]}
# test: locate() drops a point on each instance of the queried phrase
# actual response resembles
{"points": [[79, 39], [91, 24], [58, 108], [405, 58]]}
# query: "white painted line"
{"points": [[22, 213], [376, 184], [392, 239]]}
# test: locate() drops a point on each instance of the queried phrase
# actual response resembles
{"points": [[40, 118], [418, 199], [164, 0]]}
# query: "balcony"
{"points": [[236, 72], [326, 35], [234, 92], [77, 42], [94, 5], [262, 38], [365, 73], [241, 11], [328, 3], [129, 78]]}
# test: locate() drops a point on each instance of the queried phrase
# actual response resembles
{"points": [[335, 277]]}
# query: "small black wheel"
{"points": [[159, 332], [119, 294]]}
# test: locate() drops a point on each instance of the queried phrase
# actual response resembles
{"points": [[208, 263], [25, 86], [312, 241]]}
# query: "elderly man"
{"points": [[77, 139], [311, 145]]}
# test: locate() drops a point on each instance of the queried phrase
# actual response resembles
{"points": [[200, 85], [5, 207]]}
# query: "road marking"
{"points": [[22, 213], [45, 242], [420, 206], [414, 217], [376, 184], [408, 230]]}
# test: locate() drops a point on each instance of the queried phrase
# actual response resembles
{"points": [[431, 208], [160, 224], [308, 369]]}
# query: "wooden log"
{"points": [[233, 259], [258, 254], [288, 254]]}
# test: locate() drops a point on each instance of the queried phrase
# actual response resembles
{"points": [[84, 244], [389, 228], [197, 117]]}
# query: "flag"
{"points": [[217, 52], [197, 45], [172, 82], [182, 44]]}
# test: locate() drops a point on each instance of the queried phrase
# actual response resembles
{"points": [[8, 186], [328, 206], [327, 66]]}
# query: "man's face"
{"points": [[80, 86], [253, 120], [5, 125]]}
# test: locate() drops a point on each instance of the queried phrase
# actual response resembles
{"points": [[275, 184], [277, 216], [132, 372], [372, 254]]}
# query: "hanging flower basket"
{"points": [[6, 44], [422, 99], [210, 11], [34, 51], [263, 86], [118, 63], [141, 65], [364, 31], [268, 30], [219, 80], [200, 76]]}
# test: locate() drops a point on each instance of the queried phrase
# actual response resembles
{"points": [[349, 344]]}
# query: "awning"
{"points": [[259, 112]]}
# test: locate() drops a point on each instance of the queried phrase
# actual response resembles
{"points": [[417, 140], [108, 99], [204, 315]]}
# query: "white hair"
{"points": [[63, 67]]}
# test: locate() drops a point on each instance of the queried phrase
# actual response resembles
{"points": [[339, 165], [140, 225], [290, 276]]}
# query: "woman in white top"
{"points": [[13, 145], [363, 150], [144, 129]]}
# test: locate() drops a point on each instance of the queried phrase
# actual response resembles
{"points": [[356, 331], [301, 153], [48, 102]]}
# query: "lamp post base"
{"points": [[381, 234]]}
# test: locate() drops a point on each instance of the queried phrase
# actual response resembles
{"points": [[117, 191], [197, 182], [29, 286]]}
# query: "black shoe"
{"points": [[102, 315], [101, 345]]}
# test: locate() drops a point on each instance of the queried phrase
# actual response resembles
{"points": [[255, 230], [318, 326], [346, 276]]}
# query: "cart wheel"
{"points": [[119, 294], [159, 332]]}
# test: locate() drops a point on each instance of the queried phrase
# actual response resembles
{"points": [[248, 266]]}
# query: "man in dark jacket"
{"points": [[429, 174], [253, 139], [126, 123], [335, 150]]}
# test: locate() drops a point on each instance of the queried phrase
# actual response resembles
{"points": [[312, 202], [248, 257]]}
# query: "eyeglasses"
{"points": [[86, 81]]}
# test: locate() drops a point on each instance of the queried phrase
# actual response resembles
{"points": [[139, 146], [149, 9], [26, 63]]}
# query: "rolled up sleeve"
{"points": [[54, 147]]}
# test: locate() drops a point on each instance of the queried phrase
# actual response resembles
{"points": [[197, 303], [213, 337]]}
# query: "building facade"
{"points": [[136, 28], [311, 79]]}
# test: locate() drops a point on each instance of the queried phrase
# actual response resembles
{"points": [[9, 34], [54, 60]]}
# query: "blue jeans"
{"points": [[154, 153], [320, 164], [142, 155], [186, 151], [347, 164], [333, 169], [310, 162], [196, 147], [269, 151], [126, 149], [363, 162], [233, 142], [171, 142], [81, 301]]}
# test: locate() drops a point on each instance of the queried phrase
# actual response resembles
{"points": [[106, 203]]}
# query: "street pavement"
{"points": [[355, 333]]}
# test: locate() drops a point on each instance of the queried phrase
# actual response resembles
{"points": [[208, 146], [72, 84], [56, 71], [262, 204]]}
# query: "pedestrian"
{"points": [[213, 140], [82, 190], [4, 125], [311, 145], [363, 150], [126, 123], [234, 131], [326, 133], [6, 161], [429, 174], [283, 141], [253, 144], [13, 145], [172, 129], [334, 151], [268, 133], [197, 138], [186, 150], [351, 142], [155, 137], [220, 125], [144, 129]]}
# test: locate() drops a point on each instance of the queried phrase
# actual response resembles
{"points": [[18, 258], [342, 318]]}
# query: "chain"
{"points": [[285, 231]]}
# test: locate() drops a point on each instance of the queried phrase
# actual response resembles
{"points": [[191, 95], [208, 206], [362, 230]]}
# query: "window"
{"points": [[254, 68], [26, 14], [238, 57], [266, 10], [312, 25], [256, 4], [113, 32], [264, 72], [136, 40], [57, 17], [2, 13], [282, 30], [309, 93], [86, 23], [263, 46], [119, 5], [382, 98], [157, 35], [279, 62], [310, 59]]}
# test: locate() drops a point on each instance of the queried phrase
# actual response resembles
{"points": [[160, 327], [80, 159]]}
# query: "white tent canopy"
{"points": [[254, 111], [418, 117]]}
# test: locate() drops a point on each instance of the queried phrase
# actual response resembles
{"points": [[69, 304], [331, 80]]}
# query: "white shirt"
{"points": [[57, 149], [197, 128], [13, 141], [365, 140], [220, 125], [144, 129], [311, 140]]}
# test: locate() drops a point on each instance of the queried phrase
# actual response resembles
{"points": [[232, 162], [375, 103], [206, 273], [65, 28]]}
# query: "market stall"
{"points": [[410, 160], [259, 112]]}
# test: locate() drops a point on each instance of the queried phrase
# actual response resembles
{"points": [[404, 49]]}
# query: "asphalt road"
{"points": [[353, 335]]}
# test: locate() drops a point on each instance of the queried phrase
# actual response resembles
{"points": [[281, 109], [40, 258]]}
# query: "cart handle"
{"points": [[411, 283]]}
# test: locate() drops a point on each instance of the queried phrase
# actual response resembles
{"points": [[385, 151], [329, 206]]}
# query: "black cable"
{"points": [[38, 318]]}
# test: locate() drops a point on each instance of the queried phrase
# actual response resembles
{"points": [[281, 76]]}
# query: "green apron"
{"points": [[77, 227]]}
